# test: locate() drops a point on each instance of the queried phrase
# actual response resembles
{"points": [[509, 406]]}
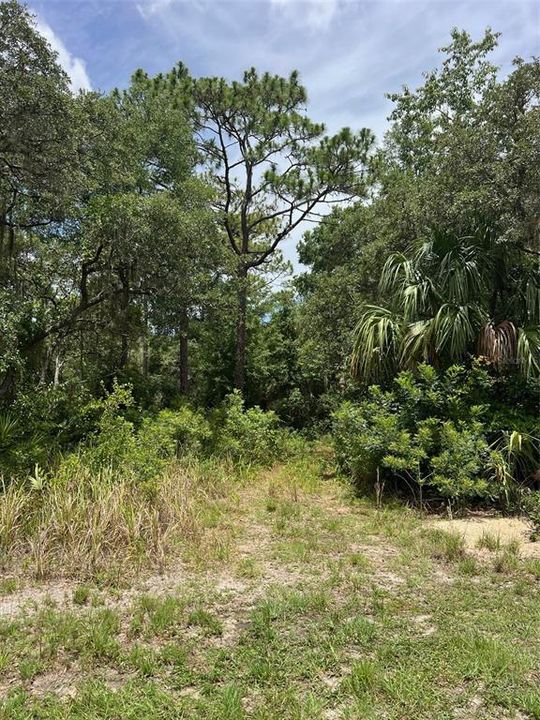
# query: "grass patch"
{"points": [[8, 586], [302, 626], [108, 528], [489, 541], [449, 546]]}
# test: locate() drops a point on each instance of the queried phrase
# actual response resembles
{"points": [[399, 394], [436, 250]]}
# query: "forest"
{"points": [[171, 384]]}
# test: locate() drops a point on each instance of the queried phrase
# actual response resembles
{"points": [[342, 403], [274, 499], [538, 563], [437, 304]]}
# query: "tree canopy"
{"points": [[141, 232]]}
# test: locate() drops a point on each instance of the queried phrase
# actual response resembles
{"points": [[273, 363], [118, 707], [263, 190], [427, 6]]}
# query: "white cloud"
{"points": [[75, 67], [151, 7], [316, 14]]}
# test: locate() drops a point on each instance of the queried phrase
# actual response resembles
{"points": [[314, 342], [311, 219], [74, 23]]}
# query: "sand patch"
{"points": [[508, 530]]}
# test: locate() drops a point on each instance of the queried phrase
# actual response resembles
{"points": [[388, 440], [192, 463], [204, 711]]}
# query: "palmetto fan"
{"points": [[441, 301], [498, 343]]}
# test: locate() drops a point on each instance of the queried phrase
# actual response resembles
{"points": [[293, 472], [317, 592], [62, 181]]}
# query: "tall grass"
{"points": [[130, 495], [79, 523]]}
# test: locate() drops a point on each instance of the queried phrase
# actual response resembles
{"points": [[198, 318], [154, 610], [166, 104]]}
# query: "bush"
{"points": [[189, 429], [168, 435], [246, 436], [431, 430], [459, 468], [19, 448], [140, 453], [363, 433], [113, 444], [118, 448]]}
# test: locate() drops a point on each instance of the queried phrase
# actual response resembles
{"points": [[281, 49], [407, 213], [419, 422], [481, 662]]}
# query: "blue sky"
{"points": [[349, 53]]}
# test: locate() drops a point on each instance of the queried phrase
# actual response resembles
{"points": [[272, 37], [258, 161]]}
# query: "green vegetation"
{"points": [[383, 618], [441, 435], [125, 351], [214, 489]]}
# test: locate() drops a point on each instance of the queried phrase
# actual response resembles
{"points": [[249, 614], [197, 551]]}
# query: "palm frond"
{"points": [[424, 251], [9, 430], [532, 300], [417, 345], [528, 351], [455, 328], [519, 452], [418, 298], [397, 273], [498, 343], [460, 276], [377, 338]]}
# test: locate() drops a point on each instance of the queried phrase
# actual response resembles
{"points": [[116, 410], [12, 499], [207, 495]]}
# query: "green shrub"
{"points": [[19, 449], [246, 436], [367, 434], [189, 429], [44, 423], [175, 432], [457, 469], [119, 449], [144, 452], [431, 431], [168, 435], [113, 443]]}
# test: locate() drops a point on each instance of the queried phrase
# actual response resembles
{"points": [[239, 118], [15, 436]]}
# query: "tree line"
{"points": [[141, 233]]}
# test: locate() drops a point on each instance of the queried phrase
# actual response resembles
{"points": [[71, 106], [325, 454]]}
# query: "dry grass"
{"points": [[84, 526]]}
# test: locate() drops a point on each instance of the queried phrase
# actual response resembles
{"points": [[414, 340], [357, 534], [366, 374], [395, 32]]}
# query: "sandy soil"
{"points": [[506, 529]]}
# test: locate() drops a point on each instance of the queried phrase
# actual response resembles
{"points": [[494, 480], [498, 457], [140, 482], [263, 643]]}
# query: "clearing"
{"points": [[298, 602]]}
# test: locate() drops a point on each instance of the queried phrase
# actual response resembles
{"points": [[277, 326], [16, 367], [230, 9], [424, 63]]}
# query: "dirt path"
{"points": [[273, 526]]}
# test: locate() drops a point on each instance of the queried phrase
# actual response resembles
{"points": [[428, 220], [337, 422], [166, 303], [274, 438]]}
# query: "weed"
{"points": [[144, 660], [81, 595], [5, 660], [271, 504], [357, 630], [533, 567], [513, 547], [8, 586], [505, 562], [359, 561], [449, 546], [161, 616], [335, 635], [365, 677], [488, 541], [248, 568], [209, 623], [468, 566], [102, 525], [29, 668], [174, 655]]}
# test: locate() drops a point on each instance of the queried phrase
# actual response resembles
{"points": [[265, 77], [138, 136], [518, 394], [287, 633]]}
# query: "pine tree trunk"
{"points": [[7, 383], [240, 348], [145, 356], [183, 355], [57, 370], [145, 346], [124, 301], [45, 364]]}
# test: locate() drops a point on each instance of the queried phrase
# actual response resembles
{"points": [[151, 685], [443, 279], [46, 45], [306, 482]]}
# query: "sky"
{"points": [[349, 52]]}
